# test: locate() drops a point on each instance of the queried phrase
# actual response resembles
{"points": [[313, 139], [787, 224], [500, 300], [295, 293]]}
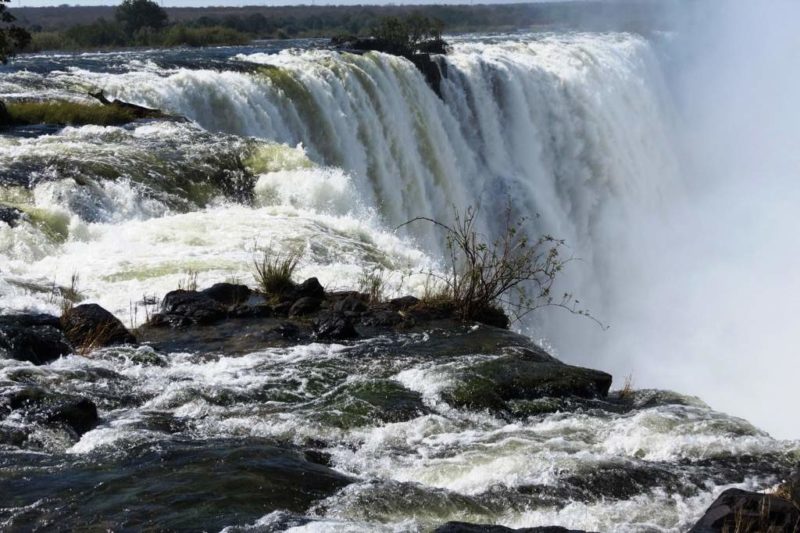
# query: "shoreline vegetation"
{"points": [[83, 28]]}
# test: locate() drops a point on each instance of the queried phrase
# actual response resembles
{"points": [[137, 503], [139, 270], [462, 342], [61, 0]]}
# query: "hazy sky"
{"points": [[194, 3]]}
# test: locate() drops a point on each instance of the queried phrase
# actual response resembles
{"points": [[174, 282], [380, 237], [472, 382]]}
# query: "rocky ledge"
{"points": [[519, 380]]}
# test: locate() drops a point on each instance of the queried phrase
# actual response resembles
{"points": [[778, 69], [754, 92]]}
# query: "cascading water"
{"points": [[328, 152]]}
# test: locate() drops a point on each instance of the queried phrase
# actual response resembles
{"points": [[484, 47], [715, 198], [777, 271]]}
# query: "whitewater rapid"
{"points": [[572, 131], [328, 153]]}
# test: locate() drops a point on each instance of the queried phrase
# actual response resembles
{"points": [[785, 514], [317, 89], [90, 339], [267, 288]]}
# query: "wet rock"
{"points": [[623, 480], [489, 385], [464, 527], [350, 304], [365, 402], [91, 326], [37, 405], [10, 215], [255, 306], [34, 338], [305, 306], [748, 512], [334, 326], [176, 485], [493, 316], [404, 302], [382, 317], [287, 330], [229, 294], [310, 288], [182, 308], [5, 117], [80, 415]]}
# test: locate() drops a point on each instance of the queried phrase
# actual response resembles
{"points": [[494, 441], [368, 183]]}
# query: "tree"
{"points": [[12, 38], [134, 15]]}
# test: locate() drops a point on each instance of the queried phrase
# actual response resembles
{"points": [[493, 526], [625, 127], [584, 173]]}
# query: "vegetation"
{"points": [[372, 282], [408, 35], [273, 271], [12, 37], [510, 272], [64, 112], [99, 26], [138, 15]]}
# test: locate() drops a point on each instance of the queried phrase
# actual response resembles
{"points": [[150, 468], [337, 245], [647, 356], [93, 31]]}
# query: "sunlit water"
{"points": [[290, 146]]}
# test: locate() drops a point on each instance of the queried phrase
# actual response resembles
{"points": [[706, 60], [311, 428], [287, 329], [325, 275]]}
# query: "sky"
{"points": [[197, 3]]}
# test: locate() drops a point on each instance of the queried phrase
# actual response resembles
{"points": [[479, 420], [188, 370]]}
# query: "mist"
{"points": [[704, 290]]}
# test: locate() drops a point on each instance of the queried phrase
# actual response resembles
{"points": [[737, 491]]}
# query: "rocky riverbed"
{"points": [[236, 409]]}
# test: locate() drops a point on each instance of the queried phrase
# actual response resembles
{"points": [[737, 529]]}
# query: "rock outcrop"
{"points": [[34, 338]]}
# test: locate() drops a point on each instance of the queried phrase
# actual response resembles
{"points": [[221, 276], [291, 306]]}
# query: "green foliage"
{"points": [[133, 15], [101, 34], [63, 112], [181, 35], [273, 271], [407, 35], [12, 38]]}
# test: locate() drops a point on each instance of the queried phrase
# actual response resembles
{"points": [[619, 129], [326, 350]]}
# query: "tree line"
{"points": [[106, 27]]}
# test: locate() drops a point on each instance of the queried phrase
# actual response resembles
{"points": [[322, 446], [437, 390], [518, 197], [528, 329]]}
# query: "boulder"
{"points": [[79, 414], [334, 326], [91, 326], [350, 304], [310, 288], [464, 527], [34, 338], [748, 512], [489, 385], [229, 294], [182, 308], [255, 306], [305, 306], [404, 302], [10, 215], [37, 405], [5, 117]]}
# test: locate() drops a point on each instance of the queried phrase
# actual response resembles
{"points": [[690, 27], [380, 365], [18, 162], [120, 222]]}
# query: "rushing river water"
{"points": [[289, 145]]}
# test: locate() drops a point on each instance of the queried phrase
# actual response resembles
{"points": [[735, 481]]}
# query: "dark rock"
{"points": [[310, 288], [34, 338], [489, 385], [180, 308], [287, 330], [137, 110], [305, 306], [5, 117], [37, 405], [229, 294], [404, 302], [318, 457], [381, 317], [464, 527], [493, 316], [256, 306], [80, 415], [9, 215], [283, 308], [350, 304], [91, 326], [431, 71], [334, 326], [748, 512]]}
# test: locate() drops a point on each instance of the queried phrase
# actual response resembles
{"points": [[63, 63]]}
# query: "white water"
{"points": [[579, 129]]}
